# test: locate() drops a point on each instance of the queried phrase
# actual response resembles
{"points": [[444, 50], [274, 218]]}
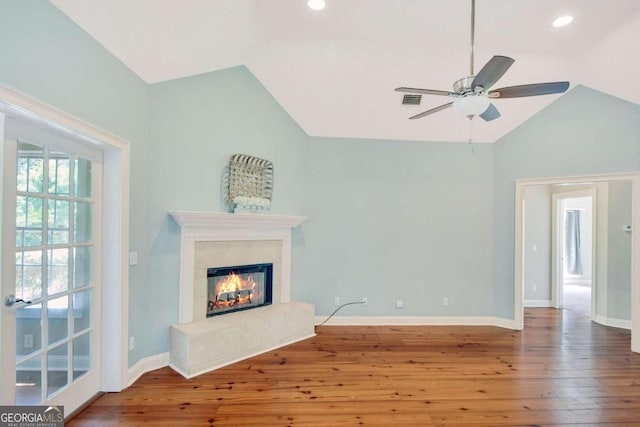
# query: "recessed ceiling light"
{"points": [[561, 21], [316, 4]]}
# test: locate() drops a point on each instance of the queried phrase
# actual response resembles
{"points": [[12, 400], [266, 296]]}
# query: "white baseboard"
{"points": [[537, 303], [147, 364], [581, 282], [615, 323], [418, 321]]}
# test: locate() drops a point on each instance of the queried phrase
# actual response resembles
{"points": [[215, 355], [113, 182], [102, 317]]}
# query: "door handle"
{"points": [[11, 300]]}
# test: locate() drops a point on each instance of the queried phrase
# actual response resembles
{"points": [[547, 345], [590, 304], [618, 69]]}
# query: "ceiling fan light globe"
{"points": [[563, 21], [316, 4], [471, 105]]}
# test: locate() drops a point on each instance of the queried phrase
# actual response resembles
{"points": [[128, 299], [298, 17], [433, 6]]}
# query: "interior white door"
{"points": [[51, 188]]}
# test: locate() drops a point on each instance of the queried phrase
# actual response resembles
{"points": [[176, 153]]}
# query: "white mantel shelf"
{"points": [[221, 219]]}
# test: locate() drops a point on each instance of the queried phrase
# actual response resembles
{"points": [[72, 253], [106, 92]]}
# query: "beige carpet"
{"points": [[577, 298]]}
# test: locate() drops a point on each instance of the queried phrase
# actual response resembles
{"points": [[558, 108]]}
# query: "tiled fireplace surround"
{"points": [[199, 344]]}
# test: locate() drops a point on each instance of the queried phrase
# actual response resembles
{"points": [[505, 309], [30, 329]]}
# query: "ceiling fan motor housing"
{"points": [[463, 85]]}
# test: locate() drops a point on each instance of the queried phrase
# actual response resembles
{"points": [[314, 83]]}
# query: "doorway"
{"points": [[574, 286], [55, 283], [632, 181], [38, 366]]}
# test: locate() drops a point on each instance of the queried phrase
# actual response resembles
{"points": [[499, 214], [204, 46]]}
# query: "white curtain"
{"points": [[572, 242]]}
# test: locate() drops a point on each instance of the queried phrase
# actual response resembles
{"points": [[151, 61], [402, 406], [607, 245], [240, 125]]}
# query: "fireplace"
{"points": [[209, 239], [238, 288]]}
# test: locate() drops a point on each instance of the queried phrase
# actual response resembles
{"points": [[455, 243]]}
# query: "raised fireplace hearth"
{"points": [[219, 325]]}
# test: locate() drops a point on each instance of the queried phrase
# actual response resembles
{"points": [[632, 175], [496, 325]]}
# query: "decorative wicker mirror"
{"points": [[249, 184]]}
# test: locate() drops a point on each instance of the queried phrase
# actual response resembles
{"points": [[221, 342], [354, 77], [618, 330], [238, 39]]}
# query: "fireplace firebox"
{"points": [[237, 288]]}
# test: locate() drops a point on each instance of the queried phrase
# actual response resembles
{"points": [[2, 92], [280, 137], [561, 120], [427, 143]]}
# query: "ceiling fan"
{"points": [[473, 94]]}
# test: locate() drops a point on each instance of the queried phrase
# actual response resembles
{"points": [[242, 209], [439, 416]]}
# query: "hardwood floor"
{"points": [[561, 370]]}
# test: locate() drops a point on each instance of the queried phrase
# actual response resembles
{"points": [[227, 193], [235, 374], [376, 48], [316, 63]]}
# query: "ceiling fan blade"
{"points": [[424, 91], [490, 113], [431, 111], [492, 71], [529, 90]]}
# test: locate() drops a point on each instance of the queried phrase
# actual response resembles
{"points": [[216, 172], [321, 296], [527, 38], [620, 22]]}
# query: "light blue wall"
{"points": [[196, 124], [47, 56], [619, 256], [395, 220], [583, 132], [537, 231]]}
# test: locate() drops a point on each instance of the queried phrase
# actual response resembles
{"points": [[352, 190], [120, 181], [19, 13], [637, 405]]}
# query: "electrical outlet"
{"points": [[133, 258], [533, 287], [336, 300], [365, 300], [132, 343], [445, 301], [28, 340], [399, 304]]}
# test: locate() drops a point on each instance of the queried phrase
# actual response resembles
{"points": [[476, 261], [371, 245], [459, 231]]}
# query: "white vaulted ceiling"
{"points": [[334, 70]]}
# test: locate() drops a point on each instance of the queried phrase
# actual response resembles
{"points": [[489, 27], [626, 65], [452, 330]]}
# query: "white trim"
{"points": [[193, 220], [579, 282], [518, 277], [218, 226], [145, 365], [538, 303], [614, 323], [634, 177], [417, 321], [115, 274], [8, 165], [556, 254], [23, 105], [579, 179], [635, 264]]}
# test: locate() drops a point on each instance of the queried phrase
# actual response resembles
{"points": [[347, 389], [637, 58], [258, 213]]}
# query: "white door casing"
{"points": [[115, 214], [634, 178]]}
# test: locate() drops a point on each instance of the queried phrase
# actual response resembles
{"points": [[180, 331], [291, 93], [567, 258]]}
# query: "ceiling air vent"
{"points": [[411, 99]]}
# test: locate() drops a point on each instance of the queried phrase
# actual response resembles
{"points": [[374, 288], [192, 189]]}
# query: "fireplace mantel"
{"points": [[199, 344], [218, 226], [198, 220]]}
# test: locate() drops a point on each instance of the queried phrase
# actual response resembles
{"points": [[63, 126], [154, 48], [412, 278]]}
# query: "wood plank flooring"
{"points": [[561, 370]]}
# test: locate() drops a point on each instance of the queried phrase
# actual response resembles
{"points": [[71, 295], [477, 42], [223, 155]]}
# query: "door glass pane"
{"points": [[82, 266], [29, 221], [83, 178], [82, 218], [58, 271], [58, 221], [57, 315], [81, 355], [29, 381], [53, 215], [28, 330], [30, 168], [59, 173], [29, 275], [58, 368], [81, 311]]}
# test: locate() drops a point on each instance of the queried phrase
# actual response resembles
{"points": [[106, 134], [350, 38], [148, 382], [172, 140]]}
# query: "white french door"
{"points": [[50, 325]]}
